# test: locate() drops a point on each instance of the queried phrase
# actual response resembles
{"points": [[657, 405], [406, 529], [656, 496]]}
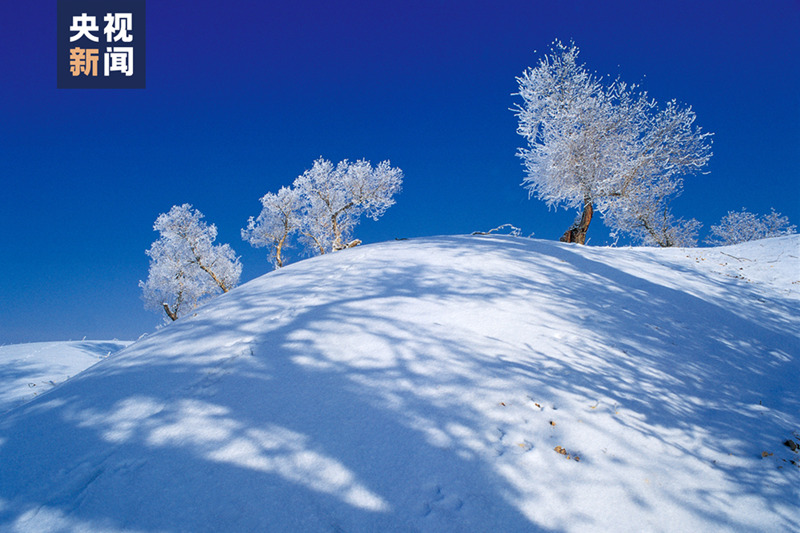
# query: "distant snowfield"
{"points": [[440, 384], [28, 370]]}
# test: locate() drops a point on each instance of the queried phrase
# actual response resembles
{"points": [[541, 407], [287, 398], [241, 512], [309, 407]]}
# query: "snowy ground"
{"points": [[440, 384], [28, 370]]}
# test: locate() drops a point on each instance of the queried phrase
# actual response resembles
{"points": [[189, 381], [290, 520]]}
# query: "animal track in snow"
{"points": [[434, 500], [516, 442]]}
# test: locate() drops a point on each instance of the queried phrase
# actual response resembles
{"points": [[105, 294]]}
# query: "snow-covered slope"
{"points": [[440, 384], [28, 370]]}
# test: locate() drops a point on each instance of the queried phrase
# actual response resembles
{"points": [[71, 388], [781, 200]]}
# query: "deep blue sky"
{"points": [[242, 96]]}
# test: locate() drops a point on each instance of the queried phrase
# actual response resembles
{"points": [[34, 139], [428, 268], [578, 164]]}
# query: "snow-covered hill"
{"points": [[440, 384], [28, 370]]}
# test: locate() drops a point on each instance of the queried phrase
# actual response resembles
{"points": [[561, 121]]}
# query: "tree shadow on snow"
{"points": [[333, 396]]}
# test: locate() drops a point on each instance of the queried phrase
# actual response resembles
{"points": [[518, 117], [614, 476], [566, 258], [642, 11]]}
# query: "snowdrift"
{"points": [[440, 384], [28, 370]]}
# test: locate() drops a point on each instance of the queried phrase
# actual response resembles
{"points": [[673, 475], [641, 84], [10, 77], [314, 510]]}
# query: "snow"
{"points": [[425, 385], [28, 370]]}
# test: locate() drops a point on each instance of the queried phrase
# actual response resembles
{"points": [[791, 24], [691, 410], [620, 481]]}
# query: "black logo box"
{"points": [[67, 9]]}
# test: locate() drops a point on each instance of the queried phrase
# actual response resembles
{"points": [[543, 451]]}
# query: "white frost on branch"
{"points": [[279, 218], [323, 206], [607, 148], [186, 267], [743, 226]]}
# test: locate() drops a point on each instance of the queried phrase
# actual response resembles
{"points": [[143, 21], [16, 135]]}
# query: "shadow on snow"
{"points": [[329, 397]]}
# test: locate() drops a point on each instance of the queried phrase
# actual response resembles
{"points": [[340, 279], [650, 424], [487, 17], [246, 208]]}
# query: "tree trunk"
{"points": [[337, 236], [208, 271], [577, 232], [170, 313], [278, 249], [337, 232]]}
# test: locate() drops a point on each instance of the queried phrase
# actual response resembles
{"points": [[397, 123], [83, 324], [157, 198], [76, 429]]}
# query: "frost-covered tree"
{"points": [[279, 218], [324, 205], [743, 226], [643, 213], [660, 148], [334, 198], [606, 148], [186, 267]]}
